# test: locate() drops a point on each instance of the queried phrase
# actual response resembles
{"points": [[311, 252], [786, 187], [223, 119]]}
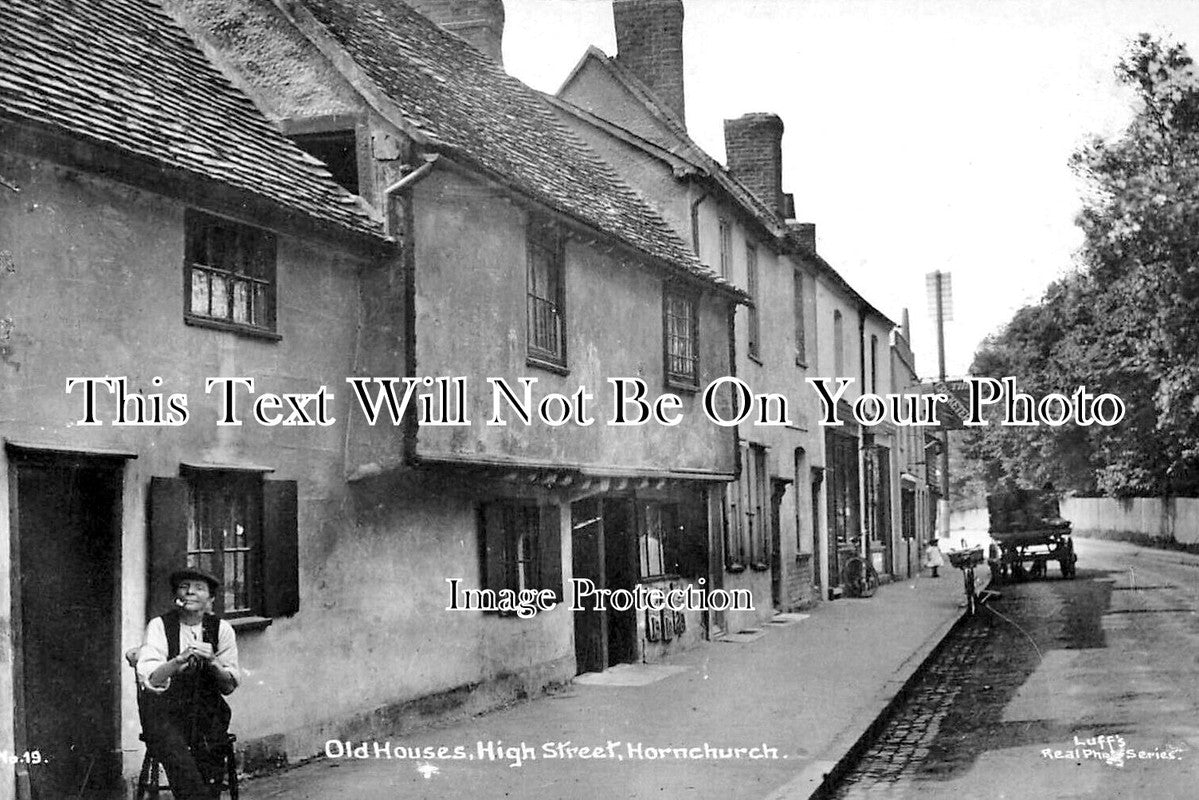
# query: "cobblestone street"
{"points": [[1053, 667]]}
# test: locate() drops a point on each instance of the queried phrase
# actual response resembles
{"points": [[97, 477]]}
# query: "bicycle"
{"points": [[966, 561], [859, 578]]}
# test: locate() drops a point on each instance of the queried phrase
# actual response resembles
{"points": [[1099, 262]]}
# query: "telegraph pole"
{"points": [[938, 283]]}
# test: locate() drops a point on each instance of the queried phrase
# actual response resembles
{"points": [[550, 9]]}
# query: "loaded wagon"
{"points": [[1029, 532]]}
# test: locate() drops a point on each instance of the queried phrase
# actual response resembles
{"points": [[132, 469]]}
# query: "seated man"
{"points": [[186, 664]]}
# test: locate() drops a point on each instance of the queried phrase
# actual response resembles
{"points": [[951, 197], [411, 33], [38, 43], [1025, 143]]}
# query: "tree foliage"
{"points": [[1127, 319]]}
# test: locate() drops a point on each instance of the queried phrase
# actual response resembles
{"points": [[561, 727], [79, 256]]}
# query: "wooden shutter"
{"points": [[491, 544], [280, 555], [169, 512], [550, 550]]}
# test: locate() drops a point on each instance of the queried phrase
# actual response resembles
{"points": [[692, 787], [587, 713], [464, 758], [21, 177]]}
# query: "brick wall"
{"points": [[754, 150], [649, 42], [480, 22]]}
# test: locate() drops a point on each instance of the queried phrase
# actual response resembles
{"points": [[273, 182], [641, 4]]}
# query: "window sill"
{"points": [[240, 624], [734, 567], [547, 365], [758, 566], [682, 385], [802, 364], [231, 327]]}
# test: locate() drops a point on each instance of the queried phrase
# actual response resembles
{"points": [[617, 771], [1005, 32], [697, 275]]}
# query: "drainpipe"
{"points": [[863, 453], [408, 180], [408, 270], [695, 221]]}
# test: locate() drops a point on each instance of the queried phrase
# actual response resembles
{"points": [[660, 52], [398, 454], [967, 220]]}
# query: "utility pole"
{"points": [[941, 299]]}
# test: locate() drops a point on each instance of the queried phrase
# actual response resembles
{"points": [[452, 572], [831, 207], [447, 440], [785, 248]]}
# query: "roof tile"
{"points": [[122, 73], [466, 105]]}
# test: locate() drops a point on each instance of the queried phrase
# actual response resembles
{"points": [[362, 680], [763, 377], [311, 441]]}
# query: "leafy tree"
{"points": [[1127, 321]]}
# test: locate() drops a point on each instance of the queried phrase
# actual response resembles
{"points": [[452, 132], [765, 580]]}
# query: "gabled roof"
{"points": [[122, 74], [681, 146], [455, 100]]}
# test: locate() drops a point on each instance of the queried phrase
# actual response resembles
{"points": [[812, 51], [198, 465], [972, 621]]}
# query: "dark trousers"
{"points": [[190, 770]]}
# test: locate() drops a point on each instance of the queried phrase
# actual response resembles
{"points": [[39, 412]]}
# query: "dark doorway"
{"points": [[778, 487], [66, 523], [883, 513], [818, 541], [604, 551], [621, 565], [587, 559]]}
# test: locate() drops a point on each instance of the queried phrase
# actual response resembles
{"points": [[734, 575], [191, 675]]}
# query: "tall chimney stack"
{"points": [[753, 146], [649, 43], [480, 22]]}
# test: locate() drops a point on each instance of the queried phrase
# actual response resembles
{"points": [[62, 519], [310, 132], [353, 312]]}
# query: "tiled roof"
{"points": [[462, 103], [121, 73]]}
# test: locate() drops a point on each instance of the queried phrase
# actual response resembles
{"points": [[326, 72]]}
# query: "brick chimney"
{"points": [[805, 232], [753, 146], [649, 43], [480, 22]]}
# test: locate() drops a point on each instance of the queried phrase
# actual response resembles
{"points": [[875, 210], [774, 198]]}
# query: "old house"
{"points": [[427, 218], [916, 494], [631, 109], [798, 502], [156, 231]]}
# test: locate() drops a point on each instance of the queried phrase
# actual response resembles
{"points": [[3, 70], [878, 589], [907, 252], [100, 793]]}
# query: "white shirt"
{"points": [[153, 653]]}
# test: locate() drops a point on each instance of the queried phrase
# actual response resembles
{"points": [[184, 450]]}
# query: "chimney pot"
{"points": [[649, 43], [480, 22]]}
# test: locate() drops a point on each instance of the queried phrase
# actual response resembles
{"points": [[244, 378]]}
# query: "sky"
{"points": [[920, 135]]}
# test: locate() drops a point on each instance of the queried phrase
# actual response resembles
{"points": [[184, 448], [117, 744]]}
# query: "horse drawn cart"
{"points": [[1029, 532]]}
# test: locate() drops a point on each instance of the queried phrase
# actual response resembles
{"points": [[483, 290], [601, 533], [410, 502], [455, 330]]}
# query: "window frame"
{"points": [[725, 234], [263, 244], [339, 136], [505, 563], [224, 484], [687, 381], [545, 237]]}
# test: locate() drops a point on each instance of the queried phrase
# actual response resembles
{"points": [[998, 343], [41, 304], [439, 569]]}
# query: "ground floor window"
{"points": [[521, 546]]}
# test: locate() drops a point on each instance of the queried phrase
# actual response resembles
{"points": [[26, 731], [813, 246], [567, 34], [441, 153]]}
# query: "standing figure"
{"points": [[187, 664], [932, 557]]}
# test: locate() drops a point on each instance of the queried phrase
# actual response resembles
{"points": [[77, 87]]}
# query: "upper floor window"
{"points": [[339, 151], [546, 294], [801, 355], [838, 345], [681, 328], [229, 274], [751, 287], [726, 249], [873, 363]]}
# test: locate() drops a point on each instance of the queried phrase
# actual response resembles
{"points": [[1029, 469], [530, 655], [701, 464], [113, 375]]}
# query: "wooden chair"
{"points": [[152, 779]]}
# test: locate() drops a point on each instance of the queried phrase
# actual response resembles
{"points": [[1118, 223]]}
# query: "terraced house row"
{"points": [[300, 192]]}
